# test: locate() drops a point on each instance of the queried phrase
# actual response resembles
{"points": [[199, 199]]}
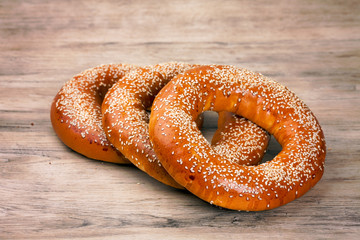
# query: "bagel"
{"points": [[188, 158], [76, 116], [125, 119]]}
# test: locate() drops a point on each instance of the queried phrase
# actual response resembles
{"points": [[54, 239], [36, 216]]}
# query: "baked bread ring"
{"points": [[189, 159], [76, 115], [125, 119]]}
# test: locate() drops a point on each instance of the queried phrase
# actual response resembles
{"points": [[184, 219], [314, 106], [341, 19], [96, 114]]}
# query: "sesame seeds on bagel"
{"points": [[188, 158], [126, 120], [76, 112]]}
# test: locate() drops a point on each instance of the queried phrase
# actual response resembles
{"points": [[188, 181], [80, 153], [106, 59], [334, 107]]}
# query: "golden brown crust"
{"points": [[187, 157], [125, 119], [75, 112]]}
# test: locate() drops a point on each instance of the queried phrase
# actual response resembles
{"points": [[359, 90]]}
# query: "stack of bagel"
{"points": [[151, 116]]}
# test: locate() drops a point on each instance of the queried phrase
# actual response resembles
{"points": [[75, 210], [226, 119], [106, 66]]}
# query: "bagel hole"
{"points": [[273, 149], [209, 125], [101, 94], [148, 112]]}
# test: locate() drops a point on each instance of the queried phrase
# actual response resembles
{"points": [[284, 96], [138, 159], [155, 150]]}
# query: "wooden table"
{"points": [[48, 191]]}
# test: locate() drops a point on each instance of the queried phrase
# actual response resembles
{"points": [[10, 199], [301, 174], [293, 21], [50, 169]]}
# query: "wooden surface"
{"points": [[49, 192]]}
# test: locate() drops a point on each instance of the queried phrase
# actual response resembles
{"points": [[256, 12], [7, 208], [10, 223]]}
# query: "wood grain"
{"points": [[48, 191]]}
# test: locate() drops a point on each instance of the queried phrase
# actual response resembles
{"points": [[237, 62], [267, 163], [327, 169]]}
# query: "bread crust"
{"points": [[76, 116], [125, 118], [192, 163]]}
